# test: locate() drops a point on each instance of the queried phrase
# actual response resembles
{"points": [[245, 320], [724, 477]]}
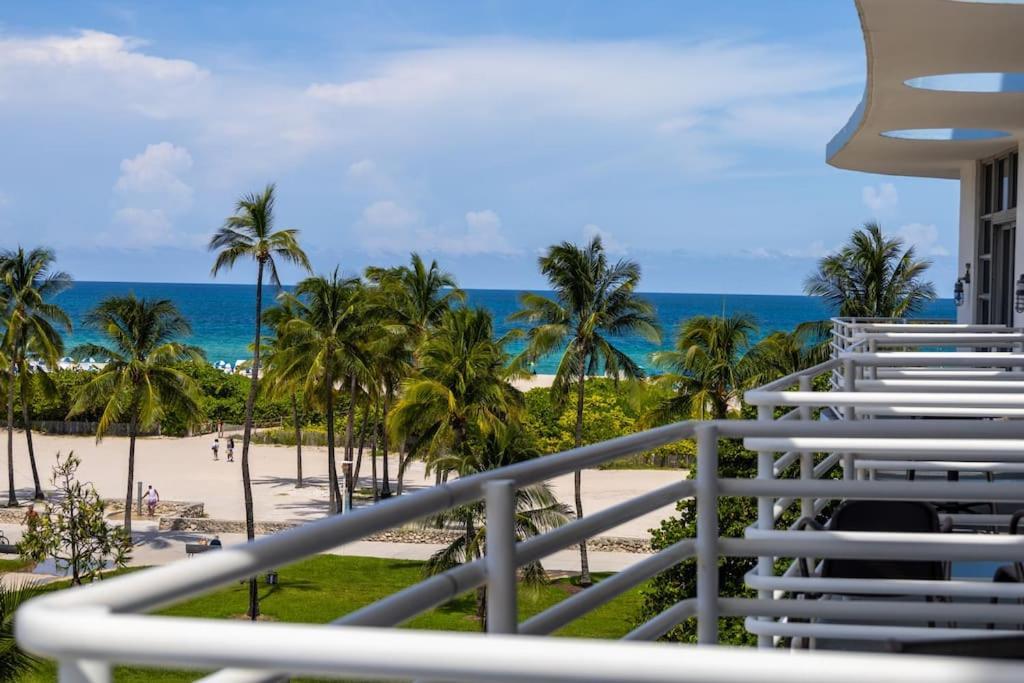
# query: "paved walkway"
{"points": [[154, 547]]}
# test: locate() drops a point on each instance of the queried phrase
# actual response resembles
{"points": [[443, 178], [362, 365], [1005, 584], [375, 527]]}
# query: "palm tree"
{"points": [[392, 361], [324, 345], [594, 302], [276, 383], [783, 353], [461, 387], [15, 663], [417, 295], [250, 234], [872, 276], [714, 361], [537, 509], [33, 322], [142, 379]]}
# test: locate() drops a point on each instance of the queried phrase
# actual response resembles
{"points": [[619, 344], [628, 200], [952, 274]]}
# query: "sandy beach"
{"points": [[182, 469], [534, 382]]}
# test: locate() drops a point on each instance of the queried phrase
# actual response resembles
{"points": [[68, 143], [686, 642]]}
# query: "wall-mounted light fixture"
{"points": [[958, 286], [1018, 299]]}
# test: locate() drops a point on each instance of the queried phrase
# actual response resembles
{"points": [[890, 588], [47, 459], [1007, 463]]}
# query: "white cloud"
{"points": [[362, 169], [813, 250], [136, 228], [611, 245], [614, 80], [924, 238], [388, 227], [880, 198], [155, 174], [150, 193], [95, 69], [388, 214]]}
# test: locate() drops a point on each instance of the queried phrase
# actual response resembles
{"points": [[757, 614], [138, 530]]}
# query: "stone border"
{"points": [[401, 535]]}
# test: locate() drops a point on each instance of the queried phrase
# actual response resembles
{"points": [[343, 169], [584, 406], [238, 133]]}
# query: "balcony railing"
{"points": [[804, 463]]}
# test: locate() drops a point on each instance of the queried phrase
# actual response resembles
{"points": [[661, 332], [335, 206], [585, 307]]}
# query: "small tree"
{"points": [[73, 531]]}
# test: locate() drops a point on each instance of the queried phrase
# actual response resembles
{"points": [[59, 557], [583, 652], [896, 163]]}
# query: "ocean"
{"points": [[222, 324]]}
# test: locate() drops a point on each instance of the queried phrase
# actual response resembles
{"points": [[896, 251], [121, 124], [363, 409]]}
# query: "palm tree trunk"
{"points": [[12, 499], [26, 398], [298, 442], [481, 591], [332, 466], [577, 477], [350, 428], [132, 431], [362, 442], [373, 455], [250, 405], [385, 487], [403, 462]]}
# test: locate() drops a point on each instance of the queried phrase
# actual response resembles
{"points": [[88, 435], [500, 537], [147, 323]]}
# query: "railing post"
{"points": [[849, 385], [765, 514], [806, 459], [707, 534], [502, 611], [83, 671]]}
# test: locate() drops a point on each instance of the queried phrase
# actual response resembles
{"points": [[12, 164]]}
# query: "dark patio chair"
{"points": [[884, 516]]}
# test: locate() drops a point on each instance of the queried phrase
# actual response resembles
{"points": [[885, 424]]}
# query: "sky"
{"points": [[689, 135]]}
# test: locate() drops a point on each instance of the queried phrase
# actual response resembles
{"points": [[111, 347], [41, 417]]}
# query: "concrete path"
{"points": [[154, 547]]}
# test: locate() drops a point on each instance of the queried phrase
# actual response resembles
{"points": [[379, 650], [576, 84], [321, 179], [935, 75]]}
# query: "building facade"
{"points": [[945, 99]]}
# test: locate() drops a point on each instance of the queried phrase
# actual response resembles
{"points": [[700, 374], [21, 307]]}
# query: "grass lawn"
{"points": [[323, 588]]}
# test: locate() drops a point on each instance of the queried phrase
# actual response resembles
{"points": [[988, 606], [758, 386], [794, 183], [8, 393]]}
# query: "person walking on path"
{"points": [[152, 498], [231, 449], [215, 447]]}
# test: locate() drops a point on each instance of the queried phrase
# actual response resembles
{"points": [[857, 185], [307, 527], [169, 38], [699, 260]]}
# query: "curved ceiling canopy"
{"points": [[980, 82], [947, 75]]}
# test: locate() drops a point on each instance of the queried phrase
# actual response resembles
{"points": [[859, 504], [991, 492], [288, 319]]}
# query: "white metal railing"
{"points": [[799, 456]]}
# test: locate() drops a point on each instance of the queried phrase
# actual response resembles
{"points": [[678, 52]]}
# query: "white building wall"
{"points": [[1018, 256], [968, 243]]}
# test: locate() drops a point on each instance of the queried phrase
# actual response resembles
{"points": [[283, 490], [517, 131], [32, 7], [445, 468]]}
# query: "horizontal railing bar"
{"points": [[664, 622], [963, 491], [451, 656], [953, 588], [937, 411], [939, 465], [979, 386], [984, 339], [939, 449], [875, 545], [889, 429], [570, 609], [994, 375], [933, 327], [874, 632], [974, 359], [882, 398], [880, 610]]}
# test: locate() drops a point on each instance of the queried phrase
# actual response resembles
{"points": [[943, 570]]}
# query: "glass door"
{"points": [[996, 243]]}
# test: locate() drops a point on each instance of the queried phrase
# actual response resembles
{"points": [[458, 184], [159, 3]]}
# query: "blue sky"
{"points": [[690, 135]]}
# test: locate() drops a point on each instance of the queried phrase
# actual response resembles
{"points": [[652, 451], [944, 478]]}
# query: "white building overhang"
{"points": [[949, 69]]}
